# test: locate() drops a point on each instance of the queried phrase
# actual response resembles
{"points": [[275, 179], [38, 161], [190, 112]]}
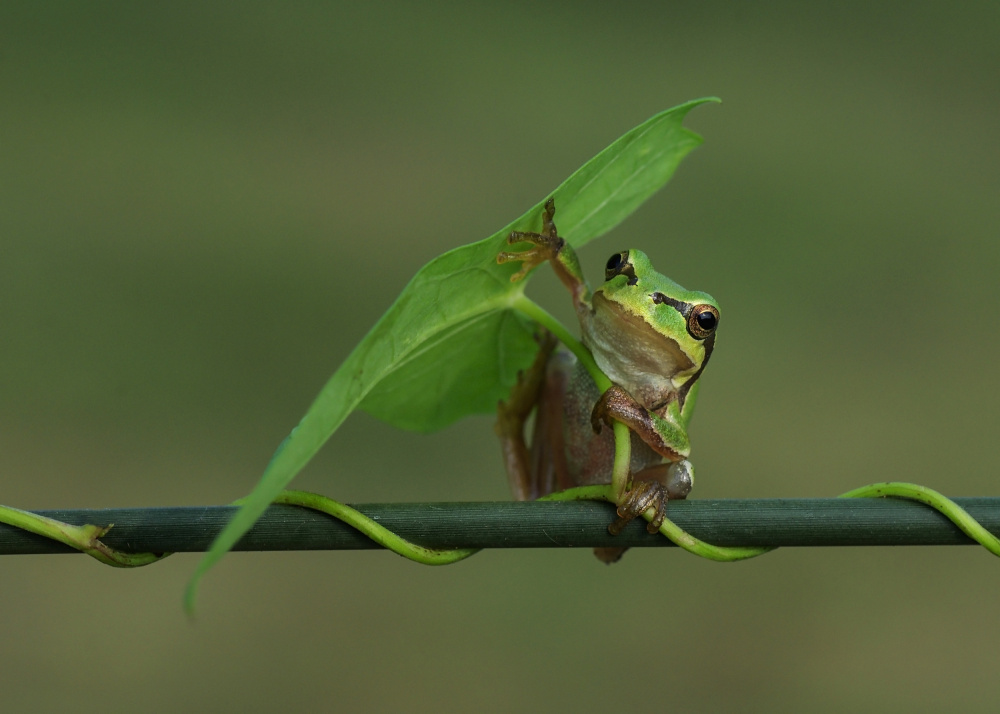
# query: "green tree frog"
{"points": [[653, 339]]}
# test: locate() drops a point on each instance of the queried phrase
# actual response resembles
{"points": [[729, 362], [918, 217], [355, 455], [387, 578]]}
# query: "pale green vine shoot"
{"points": [[86, 538], [447, 322]]}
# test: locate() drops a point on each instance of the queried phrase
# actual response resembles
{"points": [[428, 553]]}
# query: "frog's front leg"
{"points": [[665, 437], [548, 246], [655, 486]]}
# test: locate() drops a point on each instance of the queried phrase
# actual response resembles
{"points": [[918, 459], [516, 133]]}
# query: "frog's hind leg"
{"points": [[512, 415], [549, 470], [652, 487]]}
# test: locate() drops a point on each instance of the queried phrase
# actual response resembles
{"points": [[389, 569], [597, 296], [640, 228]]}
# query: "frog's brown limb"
{"points": [[512, 415], [642, 496], [618, 405], [531, 258], [654, 487], [548, 247], [609, 555]]}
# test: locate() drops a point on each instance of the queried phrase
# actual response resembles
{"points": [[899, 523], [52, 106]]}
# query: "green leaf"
{"points": [[450, 346], [441, 384]]}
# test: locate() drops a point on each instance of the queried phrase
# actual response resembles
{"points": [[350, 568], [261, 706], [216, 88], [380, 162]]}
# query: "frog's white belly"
{"points": [[645, 363]]}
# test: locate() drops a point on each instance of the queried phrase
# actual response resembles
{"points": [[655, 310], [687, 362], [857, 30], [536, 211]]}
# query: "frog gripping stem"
{"points": [[616, 404], [642, 495], [548, 247], [547, 244]]}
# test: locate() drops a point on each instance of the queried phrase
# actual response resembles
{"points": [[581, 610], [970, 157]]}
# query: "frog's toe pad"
{"points": [[642, 496]]}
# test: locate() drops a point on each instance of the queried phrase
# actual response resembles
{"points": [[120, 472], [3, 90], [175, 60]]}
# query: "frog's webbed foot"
{"points": [[547, 244], [653, 488], [643, 495]]}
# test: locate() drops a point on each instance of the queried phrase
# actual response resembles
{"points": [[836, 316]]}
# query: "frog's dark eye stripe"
{"points": [[618, 264], [701, 319], [709, 345], [679, 305]]}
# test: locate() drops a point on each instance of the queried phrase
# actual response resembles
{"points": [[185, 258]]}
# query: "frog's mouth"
{"points": [[633, 354]]}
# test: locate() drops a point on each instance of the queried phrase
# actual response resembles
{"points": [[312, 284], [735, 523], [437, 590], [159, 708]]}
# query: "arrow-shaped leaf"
{"points": [[450, 346]]}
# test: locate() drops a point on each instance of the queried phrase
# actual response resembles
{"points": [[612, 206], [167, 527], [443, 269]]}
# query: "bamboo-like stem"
{"points": [[730, 522]]}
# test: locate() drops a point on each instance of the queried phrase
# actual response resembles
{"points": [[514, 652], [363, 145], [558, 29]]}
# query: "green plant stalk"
{"points": [[85, 538], [681, 538], [938, 501], [449, 346], [894, 489], [377, 532], [529, 308], [621, 474], [428, 556]]}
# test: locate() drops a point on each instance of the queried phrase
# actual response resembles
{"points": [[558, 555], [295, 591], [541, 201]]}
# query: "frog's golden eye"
{"points": [[702, 321]]}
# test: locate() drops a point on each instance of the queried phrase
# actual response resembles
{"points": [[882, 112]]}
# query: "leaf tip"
{"points": [[191, 591], [190, 595], [701, 100]]}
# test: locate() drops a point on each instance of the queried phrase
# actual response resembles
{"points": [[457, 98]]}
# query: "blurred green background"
{"points": [[203, 206]]}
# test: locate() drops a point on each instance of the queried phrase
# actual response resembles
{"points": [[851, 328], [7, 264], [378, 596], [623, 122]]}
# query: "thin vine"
{"points": [[86, 538]]}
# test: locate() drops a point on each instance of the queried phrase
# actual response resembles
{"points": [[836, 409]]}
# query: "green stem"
{"points": [[85, 538], [623, 440], [429, 556], [894, 489], [914, 492], [621, 474], [678, 536], [372, 529], [536, 312]]}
